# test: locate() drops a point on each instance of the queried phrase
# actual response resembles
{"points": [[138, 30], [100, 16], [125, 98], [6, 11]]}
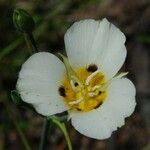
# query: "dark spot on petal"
{"points": [[76, 84], [92, 68], [78, 109], [100, 92], [98, 105], [62, 91]]}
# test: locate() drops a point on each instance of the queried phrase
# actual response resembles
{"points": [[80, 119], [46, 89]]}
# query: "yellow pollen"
{"points": [[85, 92]]}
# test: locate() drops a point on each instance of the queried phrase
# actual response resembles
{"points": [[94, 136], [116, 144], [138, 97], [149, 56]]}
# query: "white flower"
{"points": [[86, 83]]}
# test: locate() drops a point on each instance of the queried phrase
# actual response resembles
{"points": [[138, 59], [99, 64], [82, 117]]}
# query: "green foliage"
{"points": [[16, 97], [145, 38]]}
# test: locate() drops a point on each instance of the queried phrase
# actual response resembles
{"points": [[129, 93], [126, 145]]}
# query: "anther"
{"points": [[91, 94], [73, 86], [74, 78], [76, 101], [96, 87], [89, 78]]}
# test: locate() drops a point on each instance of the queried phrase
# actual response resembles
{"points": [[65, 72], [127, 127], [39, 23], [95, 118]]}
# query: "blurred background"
{"points": [[52, 18]]}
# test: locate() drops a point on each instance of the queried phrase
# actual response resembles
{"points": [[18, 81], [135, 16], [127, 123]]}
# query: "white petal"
{"points": [[109, 48], [38, 83], [78, 41], [100, 123], [99, 42]]}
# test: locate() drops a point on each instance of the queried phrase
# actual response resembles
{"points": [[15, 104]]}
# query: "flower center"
{"points": [[85, 90]]}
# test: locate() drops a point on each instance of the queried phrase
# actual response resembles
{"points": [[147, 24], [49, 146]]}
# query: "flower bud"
{"points": [[23, 21]]}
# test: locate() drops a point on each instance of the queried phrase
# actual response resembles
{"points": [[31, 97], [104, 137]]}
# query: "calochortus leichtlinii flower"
{"points": [[86, 83]]}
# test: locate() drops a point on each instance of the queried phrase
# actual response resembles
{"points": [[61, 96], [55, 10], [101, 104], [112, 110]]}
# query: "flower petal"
{"points": [[101, 122], [98, 42], [38, 83], [79, 40], [109, 48]]}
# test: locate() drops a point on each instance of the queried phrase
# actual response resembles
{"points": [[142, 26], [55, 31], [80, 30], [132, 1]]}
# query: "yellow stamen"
{"points": [[89, 78], [85, 91], [76, 101]]}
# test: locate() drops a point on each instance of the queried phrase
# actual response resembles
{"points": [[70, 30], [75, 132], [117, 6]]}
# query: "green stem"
{"points": [[22, 136], [44, 134], [31, 44], [64, 130], [24, 141]]}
